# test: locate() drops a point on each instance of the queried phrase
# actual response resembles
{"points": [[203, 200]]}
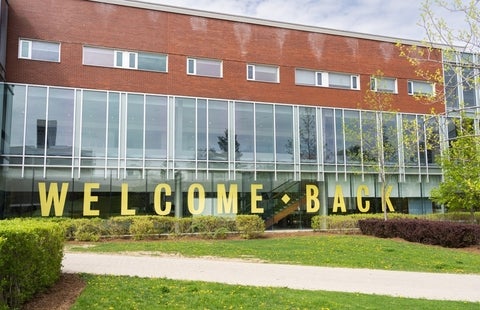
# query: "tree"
{"points": [[460, 189], [459, 43]]}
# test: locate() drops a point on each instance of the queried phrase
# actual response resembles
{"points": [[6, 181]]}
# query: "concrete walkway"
{"points": [[395, 283]]}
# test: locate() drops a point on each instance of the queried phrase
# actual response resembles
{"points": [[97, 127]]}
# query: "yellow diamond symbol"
{"points": [[285, 199]]}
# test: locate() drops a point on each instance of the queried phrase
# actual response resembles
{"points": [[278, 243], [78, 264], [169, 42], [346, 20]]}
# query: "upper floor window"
{"points": [[204, 67], [262, 73], [327, 79], [421, 88], [39, 50], [384, 84], [105, 57]]}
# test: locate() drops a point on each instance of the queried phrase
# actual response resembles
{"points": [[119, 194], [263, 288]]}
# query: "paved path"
{"points": [[394, 283]]}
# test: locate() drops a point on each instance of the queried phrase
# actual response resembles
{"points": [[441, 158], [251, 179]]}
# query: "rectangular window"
{"points": [[383, 84], [421, 88], [326, 79], [204, 67], [105, 57], [263, 73], [39, 50]]}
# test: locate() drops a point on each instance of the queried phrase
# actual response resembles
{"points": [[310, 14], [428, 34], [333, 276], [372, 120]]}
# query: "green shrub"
{"points": [[31, 253], [87, 229], [250, 226], [118, 225], [164, 224], [142, 227]]}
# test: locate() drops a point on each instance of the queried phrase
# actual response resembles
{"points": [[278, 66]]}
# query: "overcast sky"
{"points": [[394, 18]]}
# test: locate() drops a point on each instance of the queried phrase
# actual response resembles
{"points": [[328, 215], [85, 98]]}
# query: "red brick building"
{"points": [[150, 93]]}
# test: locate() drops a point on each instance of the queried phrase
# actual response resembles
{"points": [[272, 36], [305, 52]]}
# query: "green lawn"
{"points": [[110, 292], [354, 251]]}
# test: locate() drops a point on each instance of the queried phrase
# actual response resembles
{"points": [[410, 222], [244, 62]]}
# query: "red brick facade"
{"points": [[75, 23]]}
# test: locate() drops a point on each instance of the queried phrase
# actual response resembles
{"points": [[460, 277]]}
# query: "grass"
{"points": [[114, 292], [353, 251]]}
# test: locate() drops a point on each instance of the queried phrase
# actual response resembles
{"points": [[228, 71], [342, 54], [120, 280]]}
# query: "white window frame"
{"points": [[30, 49], [322, 79], [252, 77], [193, 61], [375, 81], [411, 88], [125, 59]]}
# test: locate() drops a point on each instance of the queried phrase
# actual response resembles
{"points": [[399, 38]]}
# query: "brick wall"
{"points": [[75, 23]]}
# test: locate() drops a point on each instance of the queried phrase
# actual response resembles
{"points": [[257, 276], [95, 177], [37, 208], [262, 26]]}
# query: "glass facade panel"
{"points": [[339, 136], [307, 134], [353, 147], [14, 130], [369, 138], [390, 138], [36, 122], [156, 127], [113, 124], [284, 133], [329, 149], [202, 129], [244, 131], [218, 129], [135, 122], [264, 132], [185, 128], [94, 123], [60, 121]]}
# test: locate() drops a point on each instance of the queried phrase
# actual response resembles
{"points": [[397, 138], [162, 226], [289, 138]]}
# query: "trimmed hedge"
{"points": [[31, 253], [446, 234], [152, 226]]}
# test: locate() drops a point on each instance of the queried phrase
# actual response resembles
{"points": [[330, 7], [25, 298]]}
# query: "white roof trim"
{"points": [[257, 21]]}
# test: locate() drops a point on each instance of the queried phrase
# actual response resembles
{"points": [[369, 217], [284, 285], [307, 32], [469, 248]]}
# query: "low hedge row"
{"points": [[446, 234], [350, 221], [31, 253], [142, 227]]}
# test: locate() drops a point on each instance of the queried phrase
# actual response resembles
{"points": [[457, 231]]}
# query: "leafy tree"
{"points": [[460, 189]]}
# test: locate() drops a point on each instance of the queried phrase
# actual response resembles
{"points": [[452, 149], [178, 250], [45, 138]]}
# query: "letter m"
{"points": [[46, 200]]}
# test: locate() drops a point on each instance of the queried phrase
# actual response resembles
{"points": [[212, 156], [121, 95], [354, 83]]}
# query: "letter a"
{"points": [[312, 203], [338, 200], [46, 200]]}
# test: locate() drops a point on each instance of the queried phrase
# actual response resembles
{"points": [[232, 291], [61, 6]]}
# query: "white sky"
{"points": [[394, 18]]}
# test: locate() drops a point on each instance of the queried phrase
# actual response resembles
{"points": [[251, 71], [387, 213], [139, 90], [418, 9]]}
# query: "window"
{"points": [[383, 84], [262, 73], [327, 79], [104, 57], [421, 88], [39, 50], [204, 67]]}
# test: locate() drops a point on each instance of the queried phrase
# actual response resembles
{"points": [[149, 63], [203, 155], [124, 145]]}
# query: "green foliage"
{"points": [[212, 226], [460, 189], [250, 226], [87, 229], [142, 227], [31, 253]]}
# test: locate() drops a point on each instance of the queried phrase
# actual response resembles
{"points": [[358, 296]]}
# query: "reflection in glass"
{"points": [[284, 133], [328, 136], [308, 134], [94, 115], [36, 111], [352, 137], [217, 129], [156, 127], [59, 130], [135, 116], [14, 130], [264, 132], [113, 124], [185, 126], [244, 129]]}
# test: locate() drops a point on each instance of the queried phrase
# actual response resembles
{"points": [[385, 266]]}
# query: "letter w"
{"points": [[46, 200]]}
